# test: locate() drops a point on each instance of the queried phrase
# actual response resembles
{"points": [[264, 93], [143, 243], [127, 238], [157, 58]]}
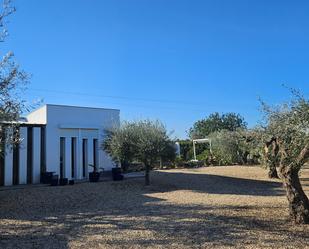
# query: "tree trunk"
{"points": [[272, 172], [147, 177], [161, 164], [245, 157], [271, 151], [298, 201]]}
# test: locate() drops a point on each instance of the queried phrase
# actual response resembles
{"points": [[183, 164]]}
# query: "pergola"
{"points": [[200, 141]]}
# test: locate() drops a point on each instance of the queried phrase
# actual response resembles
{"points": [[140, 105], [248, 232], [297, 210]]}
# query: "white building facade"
{"points": [[60, 139]]}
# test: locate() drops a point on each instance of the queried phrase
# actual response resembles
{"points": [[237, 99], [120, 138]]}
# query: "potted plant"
{"points": [[63, 181], [117, 174], [94, 176], [54, 180]]}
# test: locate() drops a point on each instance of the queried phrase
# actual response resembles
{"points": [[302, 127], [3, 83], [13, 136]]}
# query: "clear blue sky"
{"points": [[174, 60]]}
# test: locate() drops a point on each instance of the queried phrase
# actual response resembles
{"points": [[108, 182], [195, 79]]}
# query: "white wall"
{"points": [[63, 121], [79, 122], [38, 116]]}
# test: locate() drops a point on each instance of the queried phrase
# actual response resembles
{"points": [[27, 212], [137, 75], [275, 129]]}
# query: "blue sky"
{"points": [[174, 60]]}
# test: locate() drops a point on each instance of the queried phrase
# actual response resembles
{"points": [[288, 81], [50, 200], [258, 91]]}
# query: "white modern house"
{"points": [[60, 139]]}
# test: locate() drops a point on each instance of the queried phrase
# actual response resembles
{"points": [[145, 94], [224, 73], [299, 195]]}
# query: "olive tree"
{"points": [[288, 126], [12, 83], [232, 147], [144, 141], [267, 146]]}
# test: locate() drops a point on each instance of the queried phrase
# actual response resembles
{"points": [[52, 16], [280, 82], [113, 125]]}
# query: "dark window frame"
{"points": [[95, 153], [73, 157], [43, 150], [2, 157], [16, 159], [85, 156], [62, 142], [29, 155]]}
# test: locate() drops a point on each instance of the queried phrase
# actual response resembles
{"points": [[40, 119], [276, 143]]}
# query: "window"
{"points": [[43, 149], [85, 154], [95, 153], [73, 157], [30, 155], [62, 157], [2, 155], [16, 159]]}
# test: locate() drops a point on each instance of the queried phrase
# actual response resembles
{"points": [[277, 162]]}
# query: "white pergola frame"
{"points": [[200, 141]]}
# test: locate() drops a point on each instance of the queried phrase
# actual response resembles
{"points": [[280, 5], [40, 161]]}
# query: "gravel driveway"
{"points": [[215, 207]]}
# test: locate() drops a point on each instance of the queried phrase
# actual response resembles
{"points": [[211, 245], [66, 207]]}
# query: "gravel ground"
{"points": [[215, 207]]}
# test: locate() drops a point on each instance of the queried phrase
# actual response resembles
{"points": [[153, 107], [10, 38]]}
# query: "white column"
{"points": [[23, 156], [36, 149], [8, 162], [68, 156]]}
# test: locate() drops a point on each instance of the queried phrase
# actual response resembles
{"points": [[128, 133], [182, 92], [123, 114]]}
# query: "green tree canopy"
{"points": [[288, 127], [144, 141], [216, 122], [12, 82]]}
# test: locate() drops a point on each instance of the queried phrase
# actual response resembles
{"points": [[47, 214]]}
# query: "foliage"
{"points": [[232, 147], [144, 141], [186, 149], [288, 125], [12, 83], [168, 154], [216, 122], [228, 147], [119, 143], [225, 147]]}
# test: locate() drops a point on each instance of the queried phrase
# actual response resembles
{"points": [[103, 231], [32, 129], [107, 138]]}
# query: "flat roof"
{"points": [[21, 123], [73, 106], [89, 107]]}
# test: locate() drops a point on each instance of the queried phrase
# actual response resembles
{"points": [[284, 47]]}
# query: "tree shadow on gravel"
{"points": [[125, 215], [217, 184], [157, 225]]}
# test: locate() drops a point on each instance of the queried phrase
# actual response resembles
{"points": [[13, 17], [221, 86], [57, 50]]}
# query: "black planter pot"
{"points": [[117, 174], [94, 176], [63, 181], [54, 180], [46, 177]]}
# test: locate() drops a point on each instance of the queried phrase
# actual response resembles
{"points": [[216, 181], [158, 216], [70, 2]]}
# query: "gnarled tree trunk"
{"points": [[272, 172], [271, 151], [147, 174], [298, 201]]}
